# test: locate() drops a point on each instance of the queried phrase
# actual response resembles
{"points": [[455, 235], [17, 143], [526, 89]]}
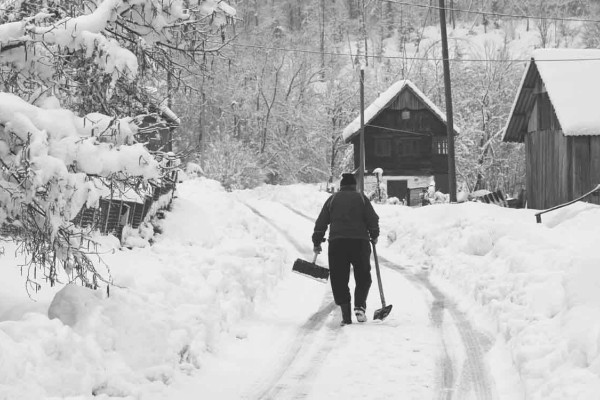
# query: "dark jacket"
{"points": [[350, 215]]}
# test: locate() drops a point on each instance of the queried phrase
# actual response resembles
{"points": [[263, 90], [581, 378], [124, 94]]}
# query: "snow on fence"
{"points": [[115, 212]]}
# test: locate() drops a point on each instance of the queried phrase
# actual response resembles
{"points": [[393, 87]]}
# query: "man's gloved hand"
{"points": [[317, 239], [374, 234]]}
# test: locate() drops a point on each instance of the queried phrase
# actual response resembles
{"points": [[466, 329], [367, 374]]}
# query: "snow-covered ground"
{"points": [[213, 310]]}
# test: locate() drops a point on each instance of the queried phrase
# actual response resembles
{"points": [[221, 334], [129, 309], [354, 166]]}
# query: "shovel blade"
{"points": [[311, 270], [382, 313]]}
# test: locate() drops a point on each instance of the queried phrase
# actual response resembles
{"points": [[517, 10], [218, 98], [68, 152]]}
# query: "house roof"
{"points": [[383, 101], [572, 80]]}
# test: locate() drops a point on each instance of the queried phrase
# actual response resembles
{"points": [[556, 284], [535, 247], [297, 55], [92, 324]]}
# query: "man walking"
{"points": [[353, 222]]}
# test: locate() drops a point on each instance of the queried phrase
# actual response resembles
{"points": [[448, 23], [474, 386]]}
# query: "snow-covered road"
{"points": [[295, 348], [487, 304]]}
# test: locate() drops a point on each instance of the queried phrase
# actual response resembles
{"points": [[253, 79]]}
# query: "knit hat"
{"points": [[348, 180]]}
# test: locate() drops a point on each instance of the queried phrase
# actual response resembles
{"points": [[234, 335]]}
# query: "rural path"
{"points": [[425, 349]]}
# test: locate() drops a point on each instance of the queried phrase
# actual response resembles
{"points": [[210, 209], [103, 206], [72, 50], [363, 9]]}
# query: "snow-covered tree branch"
{"points": [[74, 78]]}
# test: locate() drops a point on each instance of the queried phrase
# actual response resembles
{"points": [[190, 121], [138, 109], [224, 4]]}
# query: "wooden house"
{"points": [[555, 113], [405, 135]]}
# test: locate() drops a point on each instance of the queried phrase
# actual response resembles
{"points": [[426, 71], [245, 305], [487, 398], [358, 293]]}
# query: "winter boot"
{"points": [[360, 314], [346, 314]]}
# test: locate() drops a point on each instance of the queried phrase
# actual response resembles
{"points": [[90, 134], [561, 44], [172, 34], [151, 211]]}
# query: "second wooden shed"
{"points": [[556, 115]]}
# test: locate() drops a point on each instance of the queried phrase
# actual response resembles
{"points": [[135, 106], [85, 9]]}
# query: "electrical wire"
{"points": [[521, 16], [410, 58], [398, 130]]}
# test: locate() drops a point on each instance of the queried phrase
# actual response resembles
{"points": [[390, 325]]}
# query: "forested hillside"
{"points": [[284, 83]]}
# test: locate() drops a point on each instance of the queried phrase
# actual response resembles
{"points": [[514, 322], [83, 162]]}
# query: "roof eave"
{"points": [[511, 132]]}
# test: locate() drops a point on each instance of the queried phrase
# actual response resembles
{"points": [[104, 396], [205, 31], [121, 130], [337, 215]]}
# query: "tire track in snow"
{"points": [[475, 378], [445, 372], [285, 382]]}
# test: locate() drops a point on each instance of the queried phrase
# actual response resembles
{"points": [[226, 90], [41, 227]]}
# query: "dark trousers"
{"points": [[342, 253]]}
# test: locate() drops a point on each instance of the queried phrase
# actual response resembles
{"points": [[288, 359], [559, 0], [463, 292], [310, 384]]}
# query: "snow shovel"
{"points": [[384, 311], [311, 270]]}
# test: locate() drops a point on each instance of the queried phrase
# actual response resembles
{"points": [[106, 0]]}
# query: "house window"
{"points": [[406, 147], [383, 148], [405, 114], [440, 145]]}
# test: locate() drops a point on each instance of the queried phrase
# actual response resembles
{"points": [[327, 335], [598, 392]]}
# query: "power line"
{"points": [[398, 130], [283, 49], [491, 12]]}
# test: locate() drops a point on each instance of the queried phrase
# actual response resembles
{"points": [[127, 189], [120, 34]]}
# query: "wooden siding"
{"points": [[439, 164], [560, 168], [594, 165], [421, 121], [441, 183], [563, 178], [409, 141], [547, 176], [586, 166], [581, 165], [407, 100]]}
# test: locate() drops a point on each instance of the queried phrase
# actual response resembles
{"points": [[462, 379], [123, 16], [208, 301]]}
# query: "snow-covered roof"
{"points": [[384, 100], [117, 191], [572, 80]]}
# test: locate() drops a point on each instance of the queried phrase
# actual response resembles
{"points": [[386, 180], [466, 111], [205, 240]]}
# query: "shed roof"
{"points": [[382, 102], [572, 80]]}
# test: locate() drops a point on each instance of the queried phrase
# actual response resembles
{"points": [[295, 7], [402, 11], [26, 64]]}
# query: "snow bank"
{"points": [[171, 305], [533, 286]]}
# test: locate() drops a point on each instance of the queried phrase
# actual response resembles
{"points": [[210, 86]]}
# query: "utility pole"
{"points": [[322, 39], [364, 33], [449, 118], [361, 140]]}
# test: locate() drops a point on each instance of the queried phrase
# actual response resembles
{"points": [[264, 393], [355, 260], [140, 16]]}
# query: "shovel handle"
{"points": [[315, 258], [378, 275]]}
